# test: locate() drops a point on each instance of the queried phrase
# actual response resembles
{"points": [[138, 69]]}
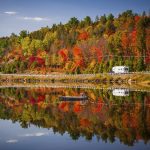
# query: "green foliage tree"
{"points": [[34, 46], [73, 22], [110, 17], [103, 19], [23, 34], [142, 24], [25, 45], [140, 64], [110, 28], [97, 19], [87, 21]]}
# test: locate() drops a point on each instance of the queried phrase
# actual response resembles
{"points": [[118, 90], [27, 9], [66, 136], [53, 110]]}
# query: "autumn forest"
{"points": [[103, 115], [80, 46]]}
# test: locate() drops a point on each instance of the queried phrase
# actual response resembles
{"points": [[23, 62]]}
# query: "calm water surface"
{"points": [[36, 118]]}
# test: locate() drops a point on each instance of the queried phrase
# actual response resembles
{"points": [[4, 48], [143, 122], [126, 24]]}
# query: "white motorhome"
{"points": [[120, 69], [120, 92]]}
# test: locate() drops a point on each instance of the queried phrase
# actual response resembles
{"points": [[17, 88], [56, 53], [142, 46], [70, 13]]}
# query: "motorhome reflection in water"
{"points": [[120, 92]]}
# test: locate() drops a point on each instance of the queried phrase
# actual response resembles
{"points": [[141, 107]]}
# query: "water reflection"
{"points": [[120, 92], [104, 115]]}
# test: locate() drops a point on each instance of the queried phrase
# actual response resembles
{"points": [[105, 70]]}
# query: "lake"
{"points": [[37, 118]]}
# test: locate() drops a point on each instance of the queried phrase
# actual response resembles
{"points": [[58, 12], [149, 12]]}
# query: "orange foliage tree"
{"points": [[125, 40], [83, 36], [77, 51], [79, 62], [85, 122], [98, 52], [77, 107], [134, 42], [64, 106]]}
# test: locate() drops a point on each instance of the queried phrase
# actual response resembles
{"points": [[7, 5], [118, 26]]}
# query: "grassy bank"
{"points": [[138, 81], [137, 78]]}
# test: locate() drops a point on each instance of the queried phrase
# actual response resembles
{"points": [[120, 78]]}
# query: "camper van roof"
{"points": [[121, 66]]}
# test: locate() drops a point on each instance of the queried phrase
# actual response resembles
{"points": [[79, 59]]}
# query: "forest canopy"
{"points": [[80, 46]]}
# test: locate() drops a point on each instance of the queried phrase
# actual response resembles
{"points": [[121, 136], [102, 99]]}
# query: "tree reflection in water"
{"points": [[105, 116]]}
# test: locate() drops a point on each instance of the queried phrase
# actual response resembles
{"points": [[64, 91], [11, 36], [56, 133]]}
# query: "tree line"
{"points": [[124, 118], [80, 46]]}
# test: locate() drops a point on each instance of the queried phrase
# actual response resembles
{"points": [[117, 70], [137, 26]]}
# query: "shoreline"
{"points": [[106, 80]]}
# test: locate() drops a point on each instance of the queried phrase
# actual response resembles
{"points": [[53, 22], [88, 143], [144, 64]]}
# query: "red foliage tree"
{"points": [[148, 101], [147, 59], [32, 100], [136, 18], [40, 61], [32, 59], [64, 54], [41, 98], [80, 62]]}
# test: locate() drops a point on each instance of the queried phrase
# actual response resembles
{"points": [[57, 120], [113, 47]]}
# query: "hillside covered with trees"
{"points": [[84, 46]]}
